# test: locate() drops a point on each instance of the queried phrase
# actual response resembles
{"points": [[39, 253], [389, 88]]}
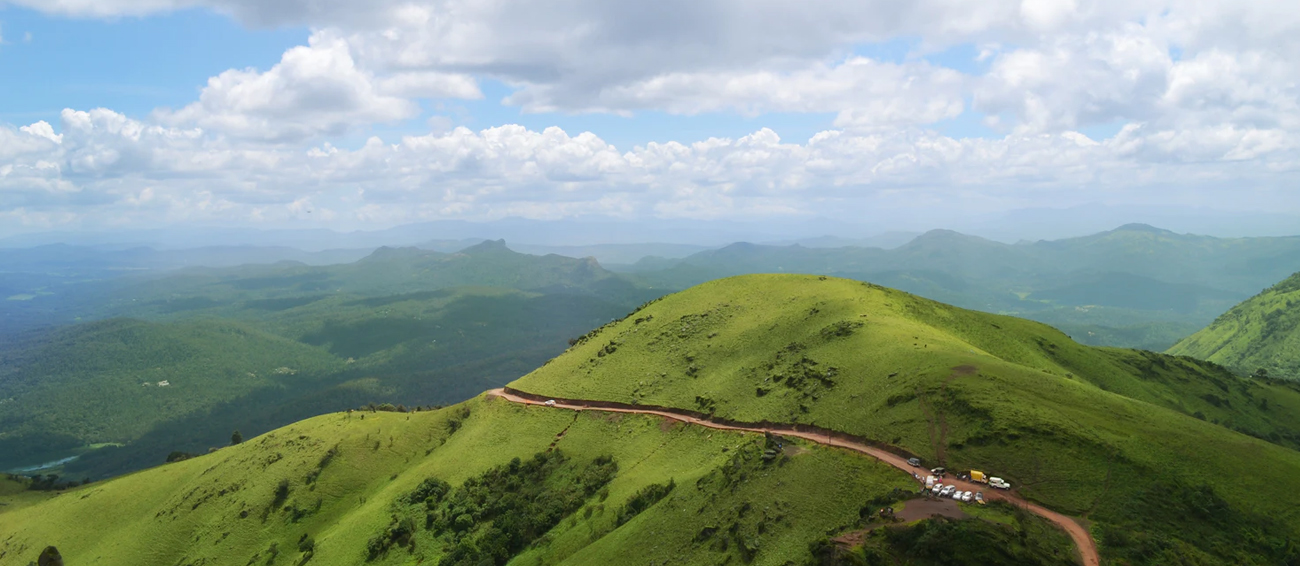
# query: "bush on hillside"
{"points": [[644, 499]]}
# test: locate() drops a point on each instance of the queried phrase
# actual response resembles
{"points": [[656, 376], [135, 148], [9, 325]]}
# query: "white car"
{"points": [[967, 497], [937, 488], [549, 403], [999, 483], [957, 494], [947, 491]]}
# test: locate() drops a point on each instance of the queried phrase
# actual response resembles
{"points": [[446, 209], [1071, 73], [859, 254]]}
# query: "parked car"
{"points": [[967, 497], [914, 462], [937, 488], [947, 491], [979, 498], [999, 483], [938, 471]]}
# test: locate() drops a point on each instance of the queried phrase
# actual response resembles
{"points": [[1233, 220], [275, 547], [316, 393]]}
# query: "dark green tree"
{"points": [[236, 438]]}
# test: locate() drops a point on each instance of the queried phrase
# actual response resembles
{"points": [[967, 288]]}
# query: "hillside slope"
{"points": [[486, 482], [1260, 333], [1133, 442]]}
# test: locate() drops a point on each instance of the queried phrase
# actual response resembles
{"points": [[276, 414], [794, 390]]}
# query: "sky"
{"points": [[873, 114]]}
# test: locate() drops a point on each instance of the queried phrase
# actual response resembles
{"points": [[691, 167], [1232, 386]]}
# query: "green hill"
{"points": [[488, 481], [1262, 333], [386, 272], [1138, 445], [1135, 286], [1126, 439]]}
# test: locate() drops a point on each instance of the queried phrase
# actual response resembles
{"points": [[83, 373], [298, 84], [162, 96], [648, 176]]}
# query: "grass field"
{"points": [[345, 481], [1126, 439]]}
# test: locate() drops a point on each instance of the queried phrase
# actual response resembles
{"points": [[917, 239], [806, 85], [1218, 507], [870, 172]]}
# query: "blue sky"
{"points": [[130, 64], [120, 113]]}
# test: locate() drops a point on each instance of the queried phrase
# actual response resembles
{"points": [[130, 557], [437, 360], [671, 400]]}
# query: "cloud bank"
{"points": [[1197, 102]]}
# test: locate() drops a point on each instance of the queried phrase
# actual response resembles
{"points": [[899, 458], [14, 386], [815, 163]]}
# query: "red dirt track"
{"points": [[1082, 540]]}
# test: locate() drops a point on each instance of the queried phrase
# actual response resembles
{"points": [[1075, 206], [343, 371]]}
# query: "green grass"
{"points": [[229, 507], [14, 494], [1260, 333], [1080, 429]]}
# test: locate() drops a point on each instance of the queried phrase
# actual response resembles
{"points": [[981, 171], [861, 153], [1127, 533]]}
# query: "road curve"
{"points": [[1082, 539]]}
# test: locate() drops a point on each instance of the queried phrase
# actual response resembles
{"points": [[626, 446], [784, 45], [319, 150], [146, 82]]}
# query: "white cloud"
{"points": [[1204, 94], [42, 129], [314, 90], [109, 166], [864, 93]]}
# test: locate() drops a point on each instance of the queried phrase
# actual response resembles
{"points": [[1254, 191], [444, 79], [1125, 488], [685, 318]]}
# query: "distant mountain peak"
{"points": [[487, 247], [388, 253], [1140, 227], [943, 236]]}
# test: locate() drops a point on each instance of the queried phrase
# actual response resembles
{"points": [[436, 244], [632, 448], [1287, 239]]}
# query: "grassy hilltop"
{"points": [[1135, 286], [1260, 333], [1140, 444]]}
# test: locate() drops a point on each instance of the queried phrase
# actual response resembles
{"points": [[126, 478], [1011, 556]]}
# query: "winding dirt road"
{"points": [[1082, 539]]}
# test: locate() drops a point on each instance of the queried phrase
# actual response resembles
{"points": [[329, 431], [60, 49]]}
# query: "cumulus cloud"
{"points": [[108, 165], [314, 90]]}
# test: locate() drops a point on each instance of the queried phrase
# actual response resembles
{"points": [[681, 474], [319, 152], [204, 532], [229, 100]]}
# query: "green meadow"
{"points": [[1148, 448]]}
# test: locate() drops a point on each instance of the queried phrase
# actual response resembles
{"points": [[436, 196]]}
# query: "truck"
{"points": [[978, 476], [929, 481]]}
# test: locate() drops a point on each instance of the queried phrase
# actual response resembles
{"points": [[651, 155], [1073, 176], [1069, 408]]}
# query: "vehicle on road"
{"points": [[550, 403], [937, 488], [976, 475], [930, 481], [947, 491], [938, 471], [999, 483], [967, 497], [914, 462]]}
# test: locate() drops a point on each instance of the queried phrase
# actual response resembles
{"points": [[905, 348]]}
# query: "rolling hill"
{"points": [[1139, 446], [1116, 436], [490, 481], [1135, 286], [1260, 335]]}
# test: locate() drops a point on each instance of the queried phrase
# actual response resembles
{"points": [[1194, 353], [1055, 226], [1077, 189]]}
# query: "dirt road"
{"points": [[1082, 540]]}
